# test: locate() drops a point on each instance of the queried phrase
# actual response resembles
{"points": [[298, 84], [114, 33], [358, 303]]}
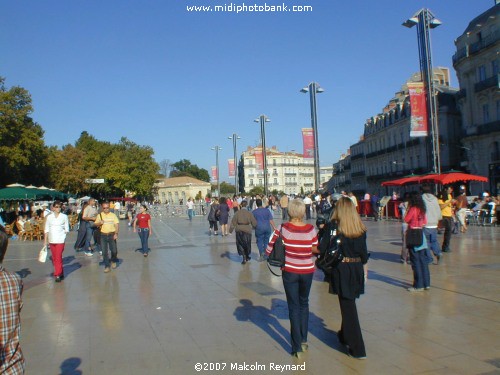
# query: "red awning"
{"points": [[449, 178], [402, 181]]}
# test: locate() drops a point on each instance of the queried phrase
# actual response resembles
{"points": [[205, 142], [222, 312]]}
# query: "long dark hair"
{"points": [[416, 201]]}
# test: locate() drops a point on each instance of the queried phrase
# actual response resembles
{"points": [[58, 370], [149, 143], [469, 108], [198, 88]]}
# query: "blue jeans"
{"points": [[432, 243], [89, 236], [107, 241], [420, 266], [284, 213], [190, 214], [262, 237], [297, 287], [144, 235]]}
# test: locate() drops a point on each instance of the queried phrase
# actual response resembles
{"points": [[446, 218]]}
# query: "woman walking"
{"points": [[416, 218], [264, 228], [301, 242], [223, 216], [143, 221], [348, 278], [243, 222], [213, 216], [56, 228]]}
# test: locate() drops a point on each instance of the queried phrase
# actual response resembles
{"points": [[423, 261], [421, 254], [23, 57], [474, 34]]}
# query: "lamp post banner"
{"points": [[259, 159], [308, 142], [418, 120], [214, 173], [230, 167]]}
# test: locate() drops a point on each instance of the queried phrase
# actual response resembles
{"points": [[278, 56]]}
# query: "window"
{"points": [[498, 109], [486, 113], [481, 73], [494, 67]]}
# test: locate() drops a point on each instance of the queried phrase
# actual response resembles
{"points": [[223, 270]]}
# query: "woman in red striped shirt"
{"points": [[301, 241]]}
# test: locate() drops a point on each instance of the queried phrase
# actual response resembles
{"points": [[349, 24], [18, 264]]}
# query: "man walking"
{"points": [[446, 202], [110, 226], [89, 215], [284, 207], [433, 212]]}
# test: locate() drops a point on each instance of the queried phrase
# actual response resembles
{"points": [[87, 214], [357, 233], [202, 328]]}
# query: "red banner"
{"points": [[259, 159], [418, 121], [230, 166], [308, 142], [214, 174]]}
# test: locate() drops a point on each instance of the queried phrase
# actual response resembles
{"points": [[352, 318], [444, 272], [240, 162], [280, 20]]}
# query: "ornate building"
{"points": [[288, 172], [477, 65]]}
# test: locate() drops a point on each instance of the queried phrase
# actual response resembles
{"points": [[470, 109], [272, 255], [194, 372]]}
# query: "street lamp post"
{"points": [[217, 149], [235, 137], [262, 120], [425, 20], [313, 88]]}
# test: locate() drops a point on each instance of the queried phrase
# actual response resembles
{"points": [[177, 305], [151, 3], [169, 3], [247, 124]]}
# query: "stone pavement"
{"points": [[192, 302]]}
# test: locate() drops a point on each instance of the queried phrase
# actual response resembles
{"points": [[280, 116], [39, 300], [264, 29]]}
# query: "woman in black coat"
{"points": [[348, 278]]}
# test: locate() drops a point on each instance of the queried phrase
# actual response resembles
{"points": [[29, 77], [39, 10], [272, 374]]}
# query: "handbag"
{"points": [[277, 256], [42, 255], [332, 256], [423, 246], [414, 237]]}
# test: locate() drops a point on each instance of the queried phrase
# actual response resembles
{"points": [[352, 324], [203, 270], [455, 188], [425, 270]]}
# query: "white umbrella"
{"points": [[31, 187], [15, 185]]}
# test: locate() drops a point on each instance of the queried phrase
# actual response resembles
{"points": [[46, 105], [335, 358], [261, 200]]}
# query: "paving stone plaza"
{"points": [[191, 307]]}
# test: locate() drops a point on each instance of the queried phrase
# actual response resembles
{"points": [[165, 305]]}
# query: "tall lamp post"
{"points": [[217, 149], [235, 137], [313, 88], [262, 121], [425, 20]]}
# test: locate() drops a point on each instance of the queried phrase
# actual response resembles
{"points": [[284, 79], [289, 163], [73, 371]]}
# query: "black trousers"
{"points": [[447, 224], [350, 331], [244, 243]]}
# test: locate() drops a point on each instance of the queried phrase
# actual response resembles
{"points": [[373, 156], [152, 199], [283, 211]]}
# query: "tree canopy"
{"points": [[23, 155], [185, 168]]}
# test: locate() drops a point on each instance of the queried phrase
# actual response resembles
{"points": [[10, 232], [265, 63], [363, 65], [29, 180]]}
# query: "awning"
{"points": [[442, 179]]}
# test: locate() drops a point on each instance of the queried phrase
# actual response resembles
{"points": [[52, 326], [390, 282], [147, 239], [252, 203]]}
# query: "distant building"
{"points": [[287, 171], [174, 189], [477, 65]]}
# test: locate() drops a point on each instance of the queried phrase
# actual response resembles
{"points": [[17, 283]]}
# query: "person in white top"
{"points": [[190, 208], [56, 228], [118, 206]]}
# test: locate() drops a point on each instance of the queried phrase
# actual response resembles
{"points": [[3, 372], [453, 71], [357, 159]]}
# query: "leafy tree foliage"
{"points": [[67, 172], [185, 168], [225, 188], [23, 154]]}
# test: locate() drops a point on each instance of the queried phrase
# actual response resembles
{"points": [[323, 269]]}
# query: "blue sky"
{"points": [[182, 82]]}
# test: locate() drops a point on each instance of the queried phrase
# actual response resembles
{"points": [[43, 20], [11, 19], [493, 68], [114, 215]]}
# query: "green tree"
{"points": [[23, 154], [185, 168], [257, 190], [66, 167]]}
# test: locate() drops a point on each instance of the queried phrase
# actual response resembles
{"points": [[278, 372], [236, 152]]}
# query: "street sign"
{"points": [[94, 180]]}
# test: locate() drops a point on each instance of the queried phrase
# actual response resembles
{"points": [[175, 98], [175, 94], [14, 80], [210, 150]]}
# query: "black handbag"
{"points": [[414, 237], [332, 256], [277, 256]]}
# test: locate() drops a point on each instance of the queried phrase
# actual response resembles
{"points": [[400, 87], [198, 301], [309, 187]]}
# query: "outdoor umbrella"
{"points": [[449, 178], [402, 181], [18, 193]]}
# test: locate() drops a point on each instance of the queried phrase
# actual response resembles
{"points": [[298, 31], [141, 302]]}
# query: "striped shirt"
{"points": [[298, 241], [11, 356]]}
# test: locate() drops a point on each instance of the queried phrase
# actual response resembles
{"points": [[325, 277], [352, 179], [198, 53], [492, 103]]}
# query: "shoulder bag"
{"points": [[332, 256], [414, 237], [277, 256]]}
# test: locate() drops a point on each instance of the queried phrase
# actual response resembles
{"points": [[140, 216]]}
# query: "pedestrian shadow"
{"points": [[69, 259], [24, 273], [70, 366], [373, 275], [319, 329], [263, 318], [231, 256], [388, 257]]}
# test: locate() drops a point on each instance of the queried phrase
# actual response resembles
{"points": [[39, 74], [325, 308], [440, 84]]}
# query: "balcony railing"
{"points": [[486, 84], [473, 48]]}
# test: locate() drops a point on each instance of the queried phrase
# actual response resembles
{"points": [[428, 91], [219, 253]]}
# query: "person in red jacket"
{"points": [[416, 218], [143, 221], [301, 241]]}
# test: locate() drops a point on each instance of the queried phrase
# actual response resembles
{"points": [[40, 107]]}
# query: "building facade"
{"points": [[477, 65], [175, 189], [287, 172]]}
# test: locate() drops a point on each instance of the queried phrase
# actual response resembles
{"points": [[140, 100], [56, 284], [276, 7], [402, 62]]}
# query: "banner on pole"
{"points": [[259, 159], [418, 120], [230, 165], [308, 142], [214, 174]]}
